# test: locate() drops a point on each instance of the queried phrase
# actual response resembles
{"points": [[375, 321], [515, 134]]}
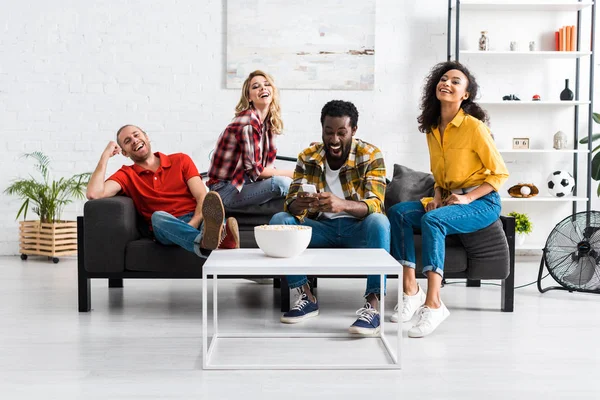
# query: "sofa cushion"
{"points": [[147, 255], [408, 185], [251, 216], [487, 251]]}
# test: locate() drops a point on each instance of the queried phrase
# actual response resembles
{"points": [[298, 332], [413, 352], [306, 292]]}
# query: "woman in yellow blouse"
{"points": [[468, 171]]}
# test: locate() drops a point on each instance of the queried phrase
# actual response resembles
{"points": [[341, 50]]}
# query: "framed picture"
{"points": [[520, 143]]}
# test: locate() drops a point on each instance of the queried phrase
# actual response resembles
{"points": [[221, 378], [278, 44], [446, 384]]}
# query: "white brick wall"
{"points": [[71, 73]]}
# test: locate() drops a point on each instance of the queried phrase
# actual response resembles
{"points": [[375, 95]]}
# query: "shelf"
{"points": [[515, 5], [544, 199], [528, 54], [514, 103], [527, 151]]}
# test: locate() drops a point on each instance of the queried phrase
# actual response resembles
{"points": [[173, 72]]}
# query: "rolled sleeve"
{"points": [[374, 194], [250, 153], [491, 159]]}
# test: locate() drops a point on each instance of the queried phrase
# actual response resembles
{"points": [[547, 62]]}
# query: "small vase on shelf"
{"points": [[520, 239], [566, 94], [484, 42]]}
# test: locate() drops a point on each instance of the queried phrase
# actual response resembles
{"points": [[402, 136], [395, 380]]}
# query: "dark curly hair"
{"points": [[431, 106], [340, 108]]}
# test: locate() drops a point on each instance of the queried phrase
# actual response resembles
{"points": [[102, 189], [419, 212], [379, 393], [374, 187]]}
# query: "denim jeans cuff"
{"points": [[438, 271], [298, 284], [407, 264], [374, 291]]}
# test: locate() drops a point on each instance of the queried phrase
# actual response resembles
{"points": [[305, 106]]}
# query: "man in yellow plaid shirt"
{"points": [[346, 210]]}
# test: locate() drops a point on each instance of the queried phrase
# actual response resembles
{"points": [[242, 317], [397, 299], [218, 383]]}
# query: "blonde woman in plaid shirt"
{"points": [[241, 168], [347, 211]]}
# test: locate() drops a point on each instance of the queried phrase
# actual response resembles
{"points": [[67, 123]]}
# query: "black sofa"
{"points": [[113, 244]]}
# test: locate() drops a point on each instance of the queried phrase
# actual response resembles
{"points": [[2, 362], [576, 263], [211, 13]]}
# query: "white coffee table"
{"points": [[311, 262]]}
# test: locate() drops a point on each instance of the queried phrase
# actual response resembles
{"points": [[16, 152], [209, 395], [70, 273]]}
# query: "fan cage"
{"points": [[572, 252]]}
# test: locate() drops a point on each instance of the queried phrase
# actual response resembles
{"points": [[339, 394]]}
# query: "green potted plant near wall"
{"points": [[523, 226], [49, 236]]}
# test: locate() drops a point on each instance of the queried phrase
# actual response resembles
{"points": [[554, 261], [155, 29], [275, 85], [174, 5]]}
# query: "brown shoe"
{"points": [[232, 235], [214, 214]]}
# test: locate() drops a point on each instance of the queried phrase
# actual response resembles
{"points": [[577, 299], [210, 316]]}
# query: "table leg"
{"points": [[215, 302], [400, 306], [382, 305], [204, 320]]}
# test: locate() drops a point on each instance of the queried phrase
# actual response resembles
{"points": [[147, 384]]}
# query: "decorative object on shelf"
{"points": [[560, 140], [520, 143], [510, 97], [536, 97], [514, 46], [595, 175], [532, 46], [49, 236], [523, 190], [566, 94], [560, 183], [523, 226], [484, 41]]}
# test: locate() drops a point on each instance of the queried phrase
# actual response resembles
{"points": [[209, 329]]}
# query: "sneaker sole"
{"points": [[234, 229], [363, 331], [214, 214], [295, 320]]}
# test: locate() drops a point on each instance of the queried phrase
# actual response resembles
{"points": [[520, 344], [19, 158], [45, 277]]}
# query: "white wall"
{"points": [[73, 72]]}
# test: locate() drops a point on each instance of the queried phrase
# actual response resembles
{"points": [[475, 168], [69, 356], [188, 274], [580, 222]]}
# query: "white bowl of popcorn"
{"points": [[282, 241]]}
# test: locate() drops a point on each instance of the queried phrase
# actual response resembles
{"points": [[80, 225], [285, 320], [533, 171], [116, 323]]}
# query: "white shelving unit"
{"points": [[543, 199], [552, 151], [498, 108], [516, 5], [529, 103], [528, 54]]}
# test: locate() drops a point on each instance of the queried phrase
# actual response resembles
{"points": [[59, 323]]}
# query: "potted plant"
{"points": [[523, 226], [48, 236], [596, 160]]}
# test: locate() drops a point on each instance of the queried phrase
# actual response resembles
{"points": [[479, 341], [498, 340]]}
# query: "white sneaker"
{"points": [[429, 319], [411, 305]]}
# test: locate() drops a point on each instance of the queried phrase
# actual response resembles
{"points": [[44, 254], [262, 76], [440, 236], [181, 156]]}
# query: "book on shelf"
{"points": [[565, 38]]}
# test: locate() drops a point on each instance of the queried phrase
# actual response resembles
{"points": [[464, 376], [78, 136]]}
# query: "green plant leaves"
{"points": [[47, 199], [596, 167], [522, 222]]}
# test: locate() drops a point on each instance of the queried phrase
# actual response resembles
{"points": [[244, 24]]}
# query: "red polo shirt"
{"points": [[163, 190]]}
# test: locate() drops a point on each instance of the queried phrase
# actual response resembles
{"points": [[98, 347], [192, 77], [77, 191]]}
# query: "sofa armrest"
{"points": [[109, 225]]}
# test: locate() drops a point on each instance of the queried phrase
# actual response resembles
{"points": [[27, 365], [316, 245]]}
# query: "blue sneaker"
{"points": [[367, 322], [303, 309]]}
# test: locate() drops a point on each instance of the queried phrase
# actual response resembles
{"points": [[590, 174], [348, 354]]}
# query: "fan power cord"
{"points": [[497, 284]]}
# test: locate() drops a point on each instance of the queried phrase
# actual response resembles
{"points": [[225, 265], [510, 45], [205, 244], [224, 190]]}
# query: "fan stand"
{"points": [[539, 279]]}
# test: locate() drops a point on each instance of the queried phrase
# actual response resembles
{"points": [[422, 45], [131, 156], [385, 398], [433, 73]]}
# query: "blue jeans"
{"points": [[435, 225], [373, 232], [171, 230], [252, 193]]}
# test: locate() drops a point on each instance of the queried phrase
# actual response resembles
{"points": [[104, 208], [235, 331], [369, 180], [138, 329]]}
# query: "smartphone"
{"points": [[307, 190]]}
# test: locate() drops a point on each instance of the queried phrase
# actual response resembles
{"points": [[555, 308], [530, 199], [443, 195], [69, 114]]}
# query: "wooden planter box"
{"points": [[47, 239]]}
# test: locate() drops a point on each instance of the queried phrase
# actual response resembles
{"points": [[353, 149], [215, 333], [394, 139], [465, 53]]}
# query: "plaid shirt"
{"points": [[362, 176], [238, 153]]}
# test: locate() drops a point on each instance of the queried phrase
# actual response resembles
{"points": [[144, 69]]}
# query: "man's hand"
{"points": [[112, 149], [457, 199], [328, 202], [305, 201]]}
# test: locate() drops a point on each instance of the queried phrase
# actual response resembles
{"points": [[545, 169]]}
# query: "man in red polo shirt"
{"points": [[168, 192]]}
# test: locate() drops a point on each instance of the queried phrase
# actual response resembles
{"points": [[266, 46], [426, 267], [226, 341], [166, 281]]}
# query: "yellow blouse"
{"points": [[467, 157]]}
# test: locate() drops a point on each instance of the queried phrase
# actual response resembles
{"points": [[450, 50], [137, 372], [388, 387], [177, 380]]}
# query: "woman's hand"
{"points": [[433, 204], [457, 199]]}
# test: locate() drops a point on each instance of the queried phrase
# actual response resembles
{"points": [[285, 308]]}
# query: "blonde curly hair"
{"points": [[274, 109]]}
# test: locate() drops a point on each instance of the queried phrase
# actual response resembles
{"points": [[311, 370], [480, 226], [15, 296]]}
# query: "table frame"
{"points": [[207, 351]]}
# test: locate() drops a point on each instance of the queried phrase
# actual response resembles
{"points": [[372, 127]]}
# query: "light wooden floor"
{"points": [[143, 341]]}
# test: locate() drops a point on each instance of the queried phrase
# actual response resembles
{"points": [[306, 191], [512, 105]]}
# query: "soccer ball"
{"points": [[560, 183]]}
